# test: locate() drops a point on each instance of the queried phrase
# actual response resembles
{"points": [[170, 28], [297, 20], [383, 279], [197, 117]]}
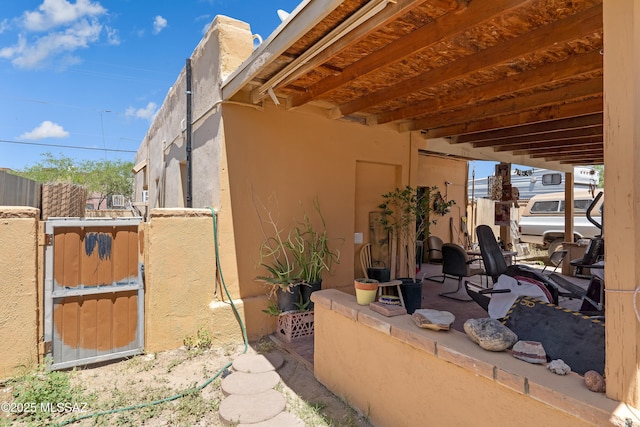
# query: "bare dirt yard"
{"points": [[172, 388]]}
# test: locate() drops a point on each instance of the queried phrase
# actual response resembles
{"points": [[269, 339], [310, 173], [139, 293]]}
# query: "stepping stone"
{"points": [[244, 383], [283, 419], [257, 363], [252, 408]]}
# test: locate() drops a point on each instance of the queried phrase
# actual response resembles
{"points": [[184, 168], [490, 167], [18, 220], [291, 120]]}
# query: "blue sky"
{"points": [[92, 73]]}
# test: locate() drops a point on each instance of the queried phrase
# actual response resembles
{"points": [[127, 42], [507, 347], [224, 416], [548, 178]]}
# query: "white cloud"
{"points": [[33, 55], [60, 28], [112, 36], [159, 24], [54, 13], [47, 129], [148, 112], [4, 25]]}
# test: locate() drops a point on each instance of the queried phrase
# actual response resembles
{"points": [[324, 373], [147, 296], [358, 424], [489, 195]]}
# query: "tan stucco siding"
{"points": [[182, 293], [19, 287], [285, 160]]}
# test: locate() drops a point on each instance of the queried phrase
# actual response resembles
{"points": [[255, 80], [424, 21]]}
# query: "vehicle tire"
{"points": [[555, 245]]}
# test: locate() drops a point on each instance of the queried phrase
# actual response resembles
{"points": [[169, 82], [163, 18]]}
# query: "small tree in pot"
{"points": [[406, 214]]}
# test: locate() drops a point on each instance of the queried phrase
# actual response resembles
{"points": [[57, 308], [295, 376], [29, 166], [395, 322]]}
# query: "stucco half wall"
{"points": [[183, 291], [19, 285], [400, 375]]}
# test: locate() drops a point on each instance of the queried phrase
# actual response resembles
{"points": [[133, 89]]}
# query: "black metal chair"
{"points": [[456, 264], [495, 265]]}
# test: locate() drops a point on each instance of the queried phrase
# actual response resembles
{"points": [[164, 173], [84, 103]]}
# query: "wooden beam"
{"points": [[533, 129], [528, 80], [448, 26], [543, 115], [390, 13], [544, 147], [542, 137], [556, 155], [306, 18], [571, 93], [558, 32], [590, 155]]}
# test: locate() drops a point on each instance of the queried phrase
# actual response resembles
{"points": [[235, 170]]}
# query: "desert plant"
{"points": [[311, 248], [276, 258], [299, 256]]}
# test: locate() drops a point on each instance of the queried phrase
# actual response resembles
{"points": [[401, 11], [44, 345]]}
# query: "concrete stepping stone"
{"points": [[257, 363], [283, 419], [251, 408], [244, 383]]}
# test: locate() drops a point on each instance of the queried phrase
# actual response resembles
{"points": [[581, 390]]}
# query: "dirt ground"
{"points": [[165, 376]]}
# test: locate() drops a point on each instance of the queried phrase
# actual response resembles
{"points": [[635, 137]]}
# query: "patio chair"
{"points": [[434, 249], [365, 259], [366, 262], [456, 264], [593, 254], [495, 266]]}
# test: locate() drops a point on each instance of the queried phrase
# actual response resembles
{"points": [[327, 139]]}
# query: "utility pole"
{"points": [[104, 145]]}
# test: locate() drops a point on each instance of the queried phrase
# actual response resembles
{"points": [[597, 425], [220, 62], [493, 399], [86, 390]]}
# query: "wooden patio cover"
{"points": [[519, 76]]}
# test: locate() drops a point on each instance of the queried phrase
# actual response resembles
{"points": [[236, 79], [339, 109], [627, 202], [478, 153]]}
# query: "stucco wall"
{"points": [[286, 159], [18, 285], [225, 45], [182, 293], [400, 375], [247, 157]]}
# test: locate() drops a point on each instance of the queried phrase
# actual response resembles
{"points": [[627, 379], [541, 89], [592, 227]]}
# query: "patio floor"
{"points": [[302, 348]]}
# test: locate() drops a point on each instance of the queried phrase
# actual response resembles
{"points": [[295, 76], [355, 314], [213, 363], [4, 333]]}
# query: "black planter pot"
{"points": [[287, 300], [381, 274], [306, 289], [411, 293]]}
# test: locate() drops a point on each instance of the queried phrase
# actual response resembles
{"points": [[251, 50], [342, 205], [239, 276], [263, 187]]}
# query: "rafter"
{"points": [[572, 93], [528, 80], [559, 135], [533, 129], [421, 39], [562, 31], [574, 146], [544, 114]]}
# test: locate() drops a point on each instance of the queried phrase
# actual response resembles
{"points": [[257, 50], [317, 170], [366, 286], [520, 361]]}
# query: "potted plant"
{"points": [[406, 214], [295, 260], [313, 254], [366, 290], [283, 279]]}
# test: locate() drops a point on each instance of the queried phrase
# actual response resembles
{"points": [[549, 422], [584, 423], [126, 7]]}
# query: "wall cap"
{"points": [[19, 212], [180, 213], [567, 394]]}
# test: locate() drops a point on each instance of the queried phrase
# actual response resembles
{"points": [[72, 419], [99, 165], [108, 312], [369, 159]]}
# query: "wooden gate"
{"points": [[93, 290]]}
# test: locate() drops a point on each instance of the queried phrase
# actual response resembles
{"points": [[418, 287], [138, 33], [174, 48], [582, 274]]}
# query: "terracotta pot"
{"points": [[366, 290]]}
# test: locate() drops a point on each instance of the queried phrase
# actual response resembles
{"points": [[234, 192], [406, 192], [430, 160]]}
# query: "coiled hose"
{"points": [[206, 383]]}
